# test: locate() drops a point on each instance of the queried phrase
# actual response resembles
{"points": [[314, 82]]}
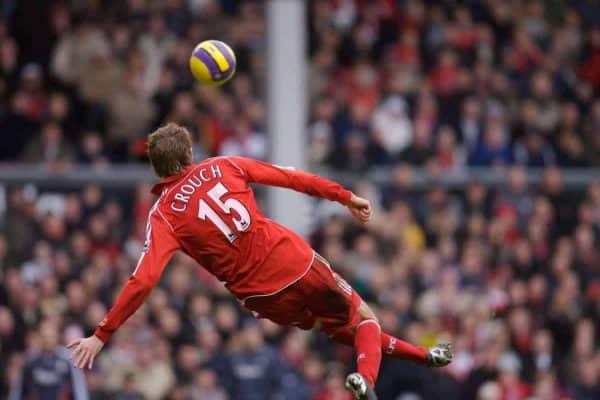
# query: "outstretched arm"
{"points": [[287, 177], [159, 247]]}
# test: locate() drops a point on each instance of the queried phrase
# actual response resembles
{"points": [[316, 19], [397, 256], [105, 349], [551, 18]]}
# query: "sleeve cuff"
{"points": [[102, 334], [345, 197]]}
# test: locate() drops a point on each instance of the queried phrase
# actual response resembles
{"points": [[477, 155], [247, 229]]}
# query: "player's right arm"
{"points": [[287, 177], [158, 249]]}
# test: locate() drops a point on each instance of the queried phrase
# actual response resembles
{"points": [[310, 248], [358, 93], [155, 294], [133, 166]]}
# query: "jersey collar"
{"points": [[158, 188]]}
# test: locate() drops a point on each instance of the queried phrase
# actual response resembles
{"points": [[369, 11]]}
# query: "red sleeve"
{"points": [[159, 247], [288, 177]]}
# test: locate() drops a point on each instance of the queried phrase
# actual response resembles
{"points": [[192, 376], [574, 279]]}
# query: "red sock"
{"points": [[390, 345], [397, 348], [367, 344]]}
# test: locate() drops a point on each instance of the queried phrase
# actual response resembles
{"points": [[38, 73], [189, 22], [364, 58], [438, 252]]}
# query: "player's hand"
{"points": [[84, 351], [360, 208]]}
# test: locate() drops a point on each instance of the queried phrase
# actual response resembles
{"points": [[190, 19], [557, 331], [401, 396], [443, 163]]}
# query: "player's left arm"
{"points": [[158, 250], [291, 178], [301, 181]]}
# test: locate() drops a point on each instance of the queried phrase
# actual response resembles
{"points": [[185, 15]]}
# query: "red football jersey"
{"points": [[209, 212]]}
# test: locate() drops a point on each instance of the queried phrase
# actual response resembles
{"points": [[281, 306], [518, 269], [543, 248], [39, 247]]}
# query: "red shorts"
{"points": [[321, 295]]}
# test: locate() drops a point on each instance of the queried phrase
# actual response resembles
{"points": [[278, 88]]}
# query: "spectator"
{"points": [[571, 151], [420, 150], [206, 388], [493, 150], [51, 147], [470, 123], [245, 142], [587, 386], [534, 151], [129, 112], [391, 126], [49, 374], [447, 156], [128, 392], [255, 368]]}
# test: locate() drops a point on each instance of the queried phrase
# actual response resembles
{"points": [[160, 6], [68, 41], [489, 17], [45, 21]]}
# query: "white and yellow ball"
{"points": [[213, 63]]}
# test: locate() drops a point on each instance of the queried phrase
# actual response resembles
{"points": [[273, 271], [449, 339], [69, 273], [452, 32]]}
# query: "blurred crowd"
{"points": [[84, 82], [438, 84], [510, 274], [449, 84]]}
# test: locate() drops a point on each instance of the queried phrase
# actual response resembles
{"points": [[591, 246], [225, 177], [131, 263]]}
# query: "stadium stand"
{"points": [[509, 272]]}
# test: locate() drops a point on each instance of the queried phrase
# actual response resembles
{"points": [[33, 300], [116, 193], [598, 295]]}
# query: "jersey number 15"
{"points": [[206, 211]]}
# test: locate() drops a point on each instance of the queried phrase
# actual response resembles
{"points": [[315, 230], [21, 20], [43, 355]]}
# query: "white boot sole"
{"points": [[356, 385]]}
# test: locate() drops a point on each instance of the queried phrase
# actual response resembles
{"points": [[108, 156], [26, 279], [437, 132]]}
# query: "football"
{"points": [[212, 62]]}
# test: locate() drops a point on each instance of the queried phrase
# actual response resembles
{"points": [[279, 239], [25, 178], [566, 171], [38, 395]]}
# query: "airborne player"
{"points": [[208, 211]]}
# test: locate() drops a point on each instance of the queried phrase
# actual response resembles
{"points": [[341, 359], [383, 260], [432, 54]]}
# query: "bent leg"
{"points": [[394, 347], [337, 306], [398, 348], [390, 345], [368, 349]]}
